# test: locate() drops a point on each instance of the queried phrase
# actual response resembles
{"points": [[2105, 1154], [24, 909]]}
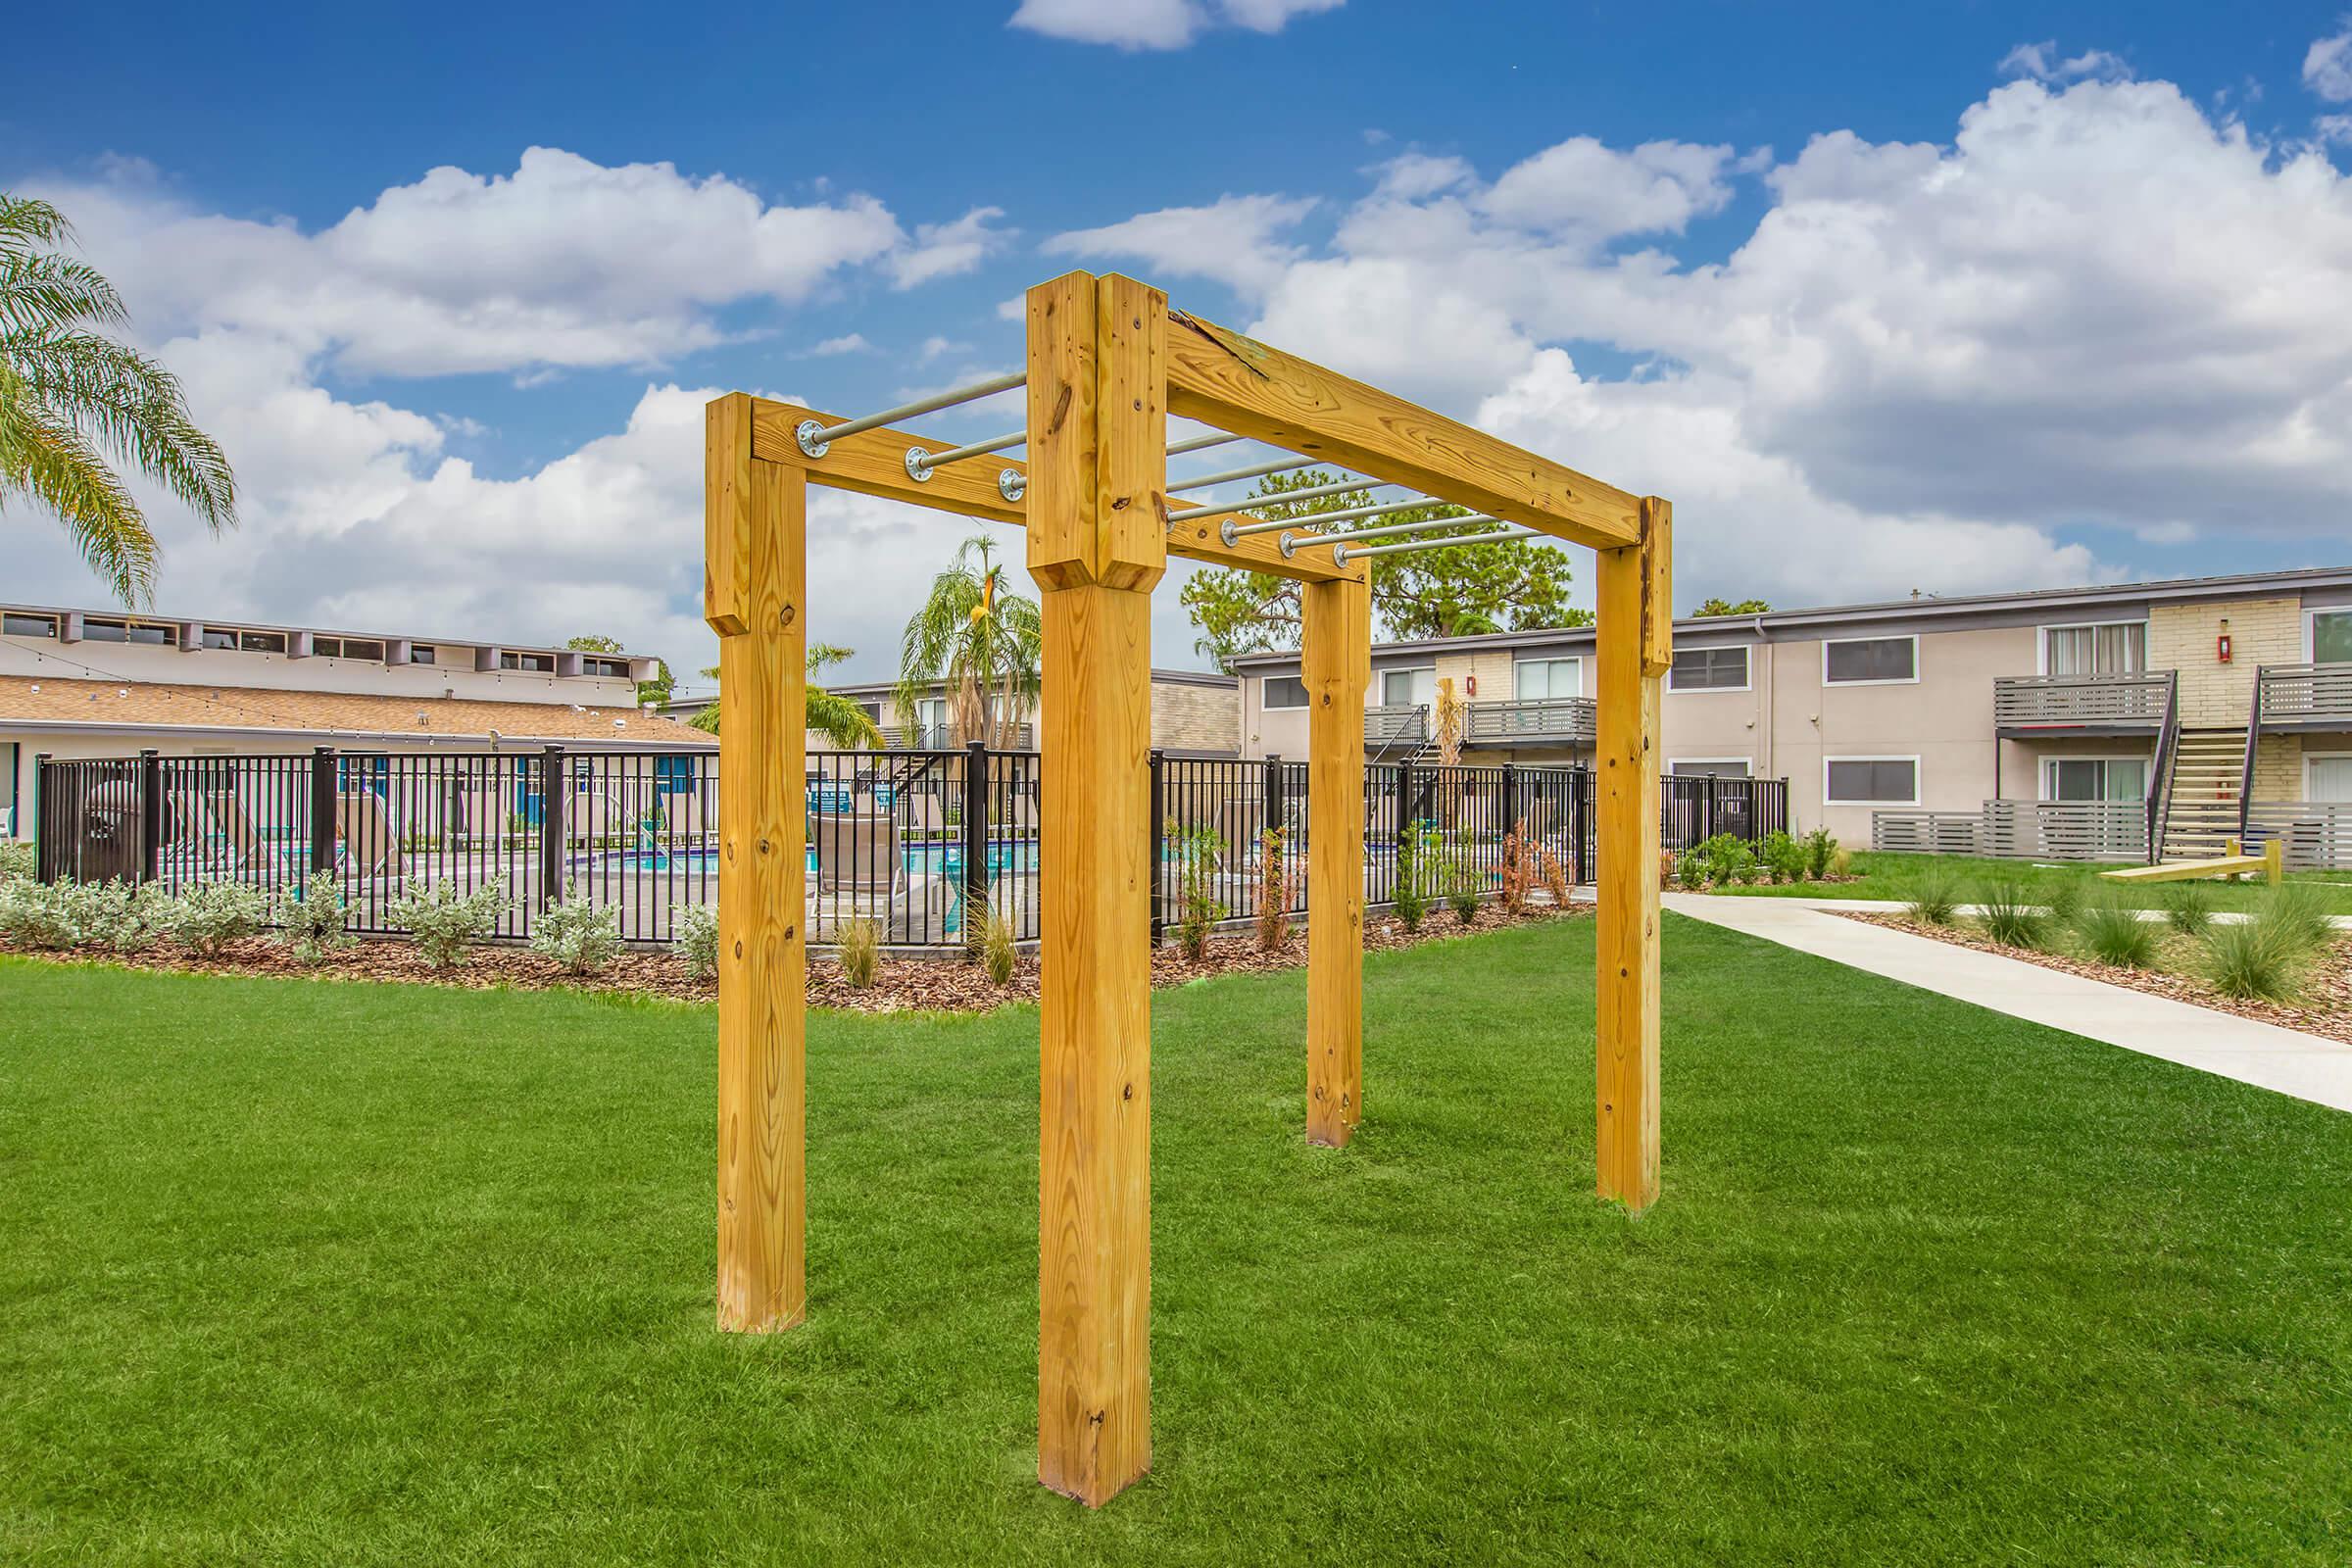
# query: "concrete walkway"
{"points": [[2306, 1067]]}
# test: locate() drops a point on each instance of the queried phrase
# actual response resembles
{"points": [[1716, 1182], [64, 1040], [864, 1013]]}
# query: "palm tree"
{"points": [[984, 644], [71, 398], [835, 718]]}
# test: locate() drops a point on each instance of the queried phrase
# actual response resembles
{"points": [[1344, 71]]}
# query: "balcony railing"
{"points": [[1531, 721], [2032, 830], [947, 737], [2029, 702], [2304, 696], [1397, 726]]}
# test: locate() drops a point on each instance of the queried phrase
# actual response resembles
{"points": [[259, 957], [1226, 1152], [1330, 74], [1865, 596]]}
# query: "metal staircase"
{"points": [[2202, 793]]}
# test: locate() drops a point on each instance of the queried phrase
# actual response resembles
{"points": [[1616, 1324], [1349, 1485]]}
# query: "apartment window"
{"points": [[535, 664], [423, 653], [222, 638], [1408, 688], [1870, 781], [2118, 648], [14, 625], [1709, 767], [1535, 678], [130, 631], [2094, 778], [1869, 661], [604, 667], [1708, 669], [2327, 777], [1284, 691], [2331, 636], [260, 642]]}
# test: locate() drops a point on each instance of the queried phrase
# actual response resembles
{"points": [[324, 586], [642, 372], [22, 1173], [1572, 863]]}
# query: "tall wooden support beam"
{"points": [[756, 559], [1635, 638], [1337, 662], [1096, 500]]}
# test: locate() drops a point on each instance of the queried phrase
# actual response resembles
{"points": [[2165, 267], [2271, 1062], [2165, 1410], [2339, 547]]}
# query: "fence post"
{"points": [[45, 836], [555, 791], [1154, 860], [1405, 800], [1510, 799], [975, 842], [151, 814], [1579, 801], [1270, 807], [322, 811]]}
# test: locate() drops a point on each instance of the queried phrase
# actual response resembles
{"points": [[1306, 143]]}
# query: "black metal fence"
{"points": [[926, 844]]}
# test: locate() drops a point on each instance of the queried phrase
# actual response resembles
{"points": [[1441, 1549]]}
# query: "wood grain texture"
{"points": [[1657, 584], [1627, 844], [1337, 663], [1238, 384], [726, 495], [1089, 455], [762, 978], [1131, 433]]}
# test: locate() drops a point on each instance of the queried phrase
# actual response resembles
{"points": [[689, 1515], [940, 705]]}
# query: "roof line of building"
{"points": [[152, 618]]}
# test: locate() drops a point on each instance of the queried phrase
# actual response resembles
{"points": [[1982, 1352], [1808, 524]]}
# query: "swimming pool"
{"points": [[922, 859]]}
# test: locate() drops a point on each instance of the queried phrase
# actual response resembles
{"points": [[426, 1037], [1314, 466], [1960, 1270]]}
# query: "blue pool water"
{"points": [[922, 859]]}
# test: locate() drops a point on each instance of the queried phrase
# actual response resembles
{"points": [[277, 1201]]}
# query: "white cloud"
{"points": [[1137, 24], [847, 343], [1582, 187], [935, 347], [2043, 63], [1230, 241], [943, 249], [2328, 64]]}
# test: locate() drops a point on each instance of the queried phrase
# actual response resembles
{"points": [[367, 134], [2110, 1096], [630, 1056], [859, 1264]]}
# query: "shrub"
{"points": [[446, 923], [858, 948], [694, 930], [1556, 880], [1691, 871], [582, 937], [2114, 933], [1273, 892], [123, 915], [2065, 899], [1821, 851], [2187, 908], [998, 950], [211, 916], [313, 927], [1935, 899], [2250, 960], [1729, 860], [1842, 861], [1518, 874], [1782, 857], [1463, 884], [18, 860], [2298, 915], [1198, 912], [1414, 850], [2010, 915], [44, 915]]}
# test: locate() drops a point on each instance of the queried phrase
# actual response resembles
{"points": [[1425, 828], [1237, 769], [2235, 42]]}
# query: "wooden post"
{"points": [[1635, 639], [756, 562], [1336, 659], [1097, 480]]}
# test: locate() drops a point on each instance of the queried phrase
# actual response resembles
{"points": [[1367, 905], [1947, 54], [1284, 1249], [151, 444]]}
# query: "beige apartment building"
{"points": [[1193, 713], [2072, 720]]}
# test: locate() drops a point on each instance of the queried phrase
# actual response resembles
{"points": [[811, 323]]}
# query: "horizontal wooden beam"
{"points": [[875, 464], [1238, 384]]}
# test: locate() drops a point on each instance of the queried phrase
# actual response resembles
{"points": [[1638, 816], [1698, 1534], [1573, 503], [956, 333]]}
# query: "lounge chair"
{"points": [[861, 866], [365, 845]]}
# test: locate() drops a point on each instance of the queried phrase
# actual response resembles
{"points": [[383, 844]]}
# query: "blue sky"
{"points": [[2093, 336]]}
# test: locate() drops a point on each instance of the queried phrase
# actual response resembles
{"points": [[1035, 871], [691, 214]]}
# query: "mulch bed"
{"points": [[2325, 1008], [943, 984]]}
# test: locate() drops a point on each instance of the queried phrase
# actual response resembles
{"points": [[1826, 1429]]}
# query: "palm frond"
{"points": [[53, 465], [135, 408]]}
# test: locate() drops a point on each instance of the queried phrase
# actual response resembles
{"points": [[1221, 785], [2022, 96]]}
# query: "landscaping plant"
{"points": [[1821, 849], [1463, 884], [211, 916], [1198, 912], [998, 950], [1935, 899], [445, 922], [1517, 874], [2065, 899], [1556, 880], [2187, 908], [43, 915], [582, 937], [18, 860], [858, 948], [2010, 916], [1690, 869], [1413, 852], [694, 930], [2253, 959], [313, 927], [1782, 857], [2299, 916], [123, 915], [2113, 932], [1273, 894]]}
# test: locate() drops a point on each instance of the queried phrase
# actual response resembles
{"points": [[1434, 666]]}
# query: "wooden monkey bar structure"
{"points": [[1107, 362]]}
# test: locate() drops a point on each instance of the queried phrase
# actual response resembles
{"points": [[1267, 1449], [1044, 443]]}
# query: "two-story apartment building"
{"points": [[2176, 697], [80, 683], [1193, 713]]}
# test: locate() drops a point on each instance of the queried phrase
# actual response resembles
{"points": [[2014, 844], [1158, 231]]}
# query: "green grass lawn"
{"points": [[1893, 876], [332, 1273]]}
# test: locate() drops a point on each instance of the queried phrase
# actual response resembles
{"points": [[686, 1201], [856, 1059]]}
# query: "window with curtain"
{"points": [[2331, 637], [1408, 688], [2331, 778], [1549, 678], [2117, 649], [2094, 778]]}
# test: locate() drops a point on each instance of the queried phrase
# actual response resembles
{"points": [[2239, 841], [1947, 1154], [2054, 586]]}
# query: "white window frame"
{"points": [[1827, 799], [2042, 640], [1380, 682], [1265, 699], [2310, 758], [1749, 763], [2046, 775], [1911, 679], [2311, 629], [1747, 651], [1578, 659]]}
